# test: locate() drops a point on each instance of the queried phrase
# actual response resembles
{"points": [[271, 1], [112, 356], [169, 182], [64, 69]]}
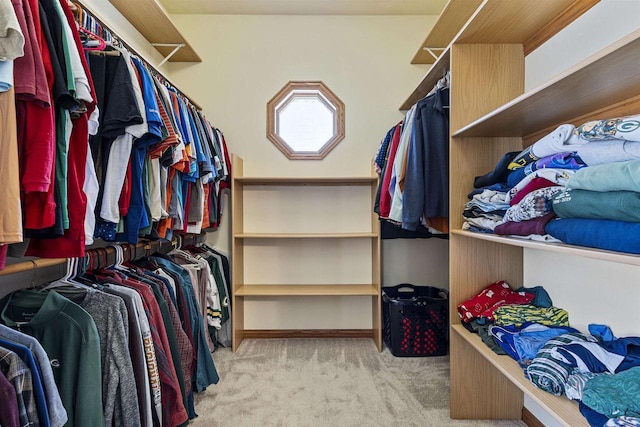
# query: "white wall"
{"points": [[365, 60], [591, 291]]}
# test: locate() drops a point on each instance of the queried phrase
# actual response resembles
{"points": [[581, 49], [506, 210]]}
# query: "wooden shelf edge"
{"points": [[152, 21], [307, 290], [308, 180], [304, 235], [307, 333], [453, 17], [518, 22], [541, 98], [562, 409], [560, 22], [611, 256], [435, 73]]}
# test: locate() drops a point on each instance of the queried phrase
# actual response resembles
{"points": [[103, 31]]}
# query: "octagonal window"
{"points": [[305, 120]]}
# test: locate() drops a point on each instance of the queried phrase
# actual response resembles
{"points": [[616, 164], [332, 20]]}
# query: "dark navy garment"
{"points": [[426, 184], [206, 373], [38, 392]]}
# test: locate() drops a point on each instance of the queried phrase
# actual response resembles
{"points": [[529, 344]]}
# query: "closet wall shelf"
{"points": [[306, 290], [305, 235], [618, 257], [530, 24], [434, 74], [562, 409], [301, 181], [289, 197], [590, 84], [454, 15], [154, 23]]}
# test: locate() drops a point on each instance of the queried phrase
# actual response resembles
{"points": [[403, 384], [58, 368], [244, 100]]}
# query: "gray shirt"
{"points": [[119, 393]]}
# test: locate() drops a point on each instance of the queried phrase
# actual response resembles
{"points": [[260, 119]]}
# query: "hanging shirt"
{"points": [[10, 206], [142, 355], [11, 37], [56, 413], [120, 151], [19, 375], [38, 393], [396, 185], [426, 190], [119, 394], [34, 106], [9, 416], [69, 336], [173, 409]]}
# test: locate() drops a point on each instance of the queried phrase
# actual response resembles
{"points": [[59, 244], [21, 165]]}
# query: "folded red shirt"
{"points": [[491, 297]]}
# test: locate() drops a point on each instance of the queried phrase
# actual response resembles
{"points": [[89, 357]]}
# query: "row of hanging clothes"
{"points": [[96, 143], [412, 162], [122, 345]]}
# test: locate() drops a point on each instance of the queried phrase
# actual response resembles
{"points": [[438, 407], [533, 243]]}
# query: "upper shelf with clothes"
{"points": [[154, 23]]}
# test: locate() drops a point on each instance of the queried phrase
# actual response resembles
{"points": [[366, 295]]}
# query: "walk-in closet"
{"points": [[307, 213]]}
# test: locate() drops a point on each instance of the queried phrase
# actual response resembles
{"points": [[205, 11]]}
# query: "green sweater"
{"points": [[69, 336]]}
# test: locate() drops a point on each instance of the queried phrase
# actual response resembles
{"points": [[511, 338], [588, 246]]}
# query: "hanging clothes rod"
{"points": [[102, 255], [90, 12]]}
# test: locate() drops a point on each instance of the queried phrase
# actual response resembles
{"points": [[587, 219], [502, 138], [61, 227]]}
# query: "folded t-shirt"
{"points": [[619, 176], [615, 205], [597, 233]]}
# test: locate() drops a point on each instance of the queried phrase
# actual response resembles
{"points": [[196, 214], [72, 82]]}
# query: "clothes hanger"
{"points": [[102, 44], [179, 251], [64, 280]]}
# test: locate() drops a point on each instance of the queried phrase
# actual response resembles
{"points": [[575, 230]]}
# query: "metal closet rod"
{"points": [[120, 40], [136, 251]]}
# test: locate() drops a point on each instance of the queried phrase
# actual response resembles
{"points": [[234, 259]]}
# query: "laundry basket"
{"points": [[415, 320]]}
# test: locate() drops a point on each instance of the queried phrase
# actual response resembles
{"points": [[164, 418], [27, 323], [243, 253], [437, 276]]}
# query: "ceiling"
{"points": [[305, 7]]}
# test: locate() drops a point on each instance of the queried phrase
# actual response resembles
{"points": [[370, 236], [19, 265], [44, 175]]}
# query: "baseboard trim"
{"points": [[529, 419], [308, 333]]}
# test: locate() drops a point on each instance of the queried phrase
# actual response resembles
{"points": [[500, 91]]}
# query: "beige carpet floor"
{"points": [[327, 382]]}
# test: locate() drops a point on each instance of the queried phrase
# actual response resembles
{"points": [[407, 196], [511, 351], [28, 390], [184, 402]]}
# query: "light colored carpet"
{"points": [[327, 382]]}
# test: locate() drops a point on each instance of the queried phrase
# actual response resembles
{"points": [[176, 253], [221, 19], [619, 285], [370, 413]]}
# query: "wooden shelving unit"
{"points": [[301, 290], [154, 23], [560, 248], [491, 115], [454, 15], [530, 24], [436, 72], [565, 410], [547, 105], [303, 237]]}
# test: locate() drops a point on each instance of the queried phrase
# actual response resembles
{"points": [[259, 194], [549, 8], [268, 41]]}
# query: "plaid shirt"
{"points": [[19, 375]]}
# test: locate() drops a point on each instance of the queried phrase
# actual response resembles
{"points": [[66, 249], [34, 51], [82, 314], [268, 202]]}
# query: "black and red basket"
{"points": [[415, 320]]}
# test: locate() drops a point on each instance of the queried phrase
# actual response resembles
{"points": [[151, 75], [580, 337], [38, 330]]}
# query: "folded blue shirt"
{"points": [[597, 233]]}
